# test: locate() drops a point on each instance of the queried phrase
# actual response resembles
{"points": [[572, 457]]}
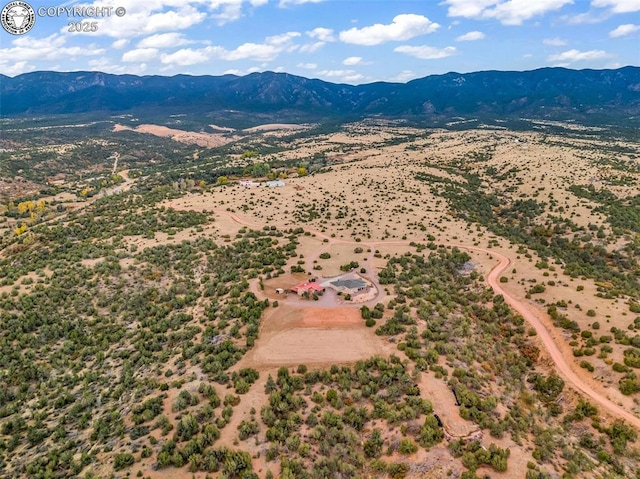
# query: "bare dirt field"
{"points": [[313, 336], [221, 128], [275, 126], [207, 140]]}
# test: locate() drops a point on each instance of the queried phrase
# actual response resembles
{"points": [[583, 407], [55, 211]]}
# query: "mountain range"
{"points": [[588, 96]]}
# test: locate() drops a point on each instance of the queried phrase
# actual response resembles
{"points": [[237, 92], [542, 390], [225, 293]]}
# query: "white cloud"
{"points": [[286, 3], [174, 20], [403, 27], [311, 47], [140, 55], [15, 68], [554, 42], [307, 66], [585, 18], [235, 71], [145, 18], [253, 51], [229, 13], [335, 73], [351, 61], [229, 10], [156, 16], [163, 40], [187, 56], [574, 55], [50, 48], [470, 37], [425, 52], [260, 52], [322, 34], [623, 30], [282, 39], [123, 42], [508, 12], [32, 43], [618, 6], [104, 64], [468, 8], [404, 76], [345, 76]]}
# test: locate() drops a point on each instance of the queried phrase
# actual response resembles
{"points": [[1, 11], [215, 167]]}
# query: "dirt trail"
{"points": [[253, 399], [533, 317]]}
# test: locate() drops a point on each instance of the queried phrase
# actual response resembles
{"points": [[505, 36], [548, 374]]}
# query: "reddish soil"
{"points": [[536, 318], [313, 336]]}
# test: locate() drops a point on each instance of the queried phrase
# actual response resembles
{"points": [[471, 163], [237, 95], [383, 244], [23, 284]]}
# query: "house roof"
{"points": [[307, 286], [349, 283]]}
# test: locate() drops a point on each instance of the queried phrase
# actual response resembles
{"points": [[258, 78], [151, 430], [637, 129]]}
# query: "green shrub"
{"points": [[620, 368], [122, 460], [587, 365], [397, 470], [407, 446], [538, 288]]}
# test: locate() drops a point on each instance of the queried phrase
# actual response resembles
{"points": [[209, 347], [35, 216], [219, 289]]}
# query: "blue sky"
{"points": [[350, 41]]}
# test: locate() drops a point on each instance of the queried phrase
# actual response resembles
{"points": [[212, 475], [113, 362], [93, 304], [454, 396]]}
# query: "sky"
{"points": [[342, 41]]}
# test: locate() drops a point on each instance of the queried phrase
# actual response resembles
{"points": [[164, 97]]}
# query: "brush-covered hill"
{"points": [[589, 96]]}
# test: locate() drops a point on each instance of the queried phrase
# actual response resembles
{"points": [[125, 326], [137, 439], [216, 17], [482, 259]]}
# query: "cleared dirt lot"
{"points": [[201, 139], [314, 336]]}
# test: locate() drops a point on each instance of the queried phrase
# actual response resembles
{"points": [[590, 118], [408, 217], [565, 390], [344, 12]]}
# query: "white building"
{"points": [[248, 183], [275, 184]]}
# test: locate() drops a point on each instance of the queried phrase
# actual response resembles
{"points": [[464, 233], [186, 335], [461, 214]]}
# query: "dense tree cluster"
{"points": [[319, 418], [93, 344]]}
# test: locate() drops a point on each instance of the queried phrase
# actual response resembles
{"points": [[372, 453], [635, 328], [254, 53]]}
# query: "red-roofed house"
{"points": [[307, 287]]}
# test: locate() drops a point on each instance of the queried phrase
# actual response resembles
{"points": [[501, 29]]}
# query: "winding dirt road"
{"points": [[533, 317]]}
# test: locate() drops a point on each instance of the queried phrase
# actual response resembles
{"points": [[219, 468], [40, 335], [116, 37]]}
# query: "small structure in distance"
{"points": [[248, 183], [255, 184], [275, 184]]}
